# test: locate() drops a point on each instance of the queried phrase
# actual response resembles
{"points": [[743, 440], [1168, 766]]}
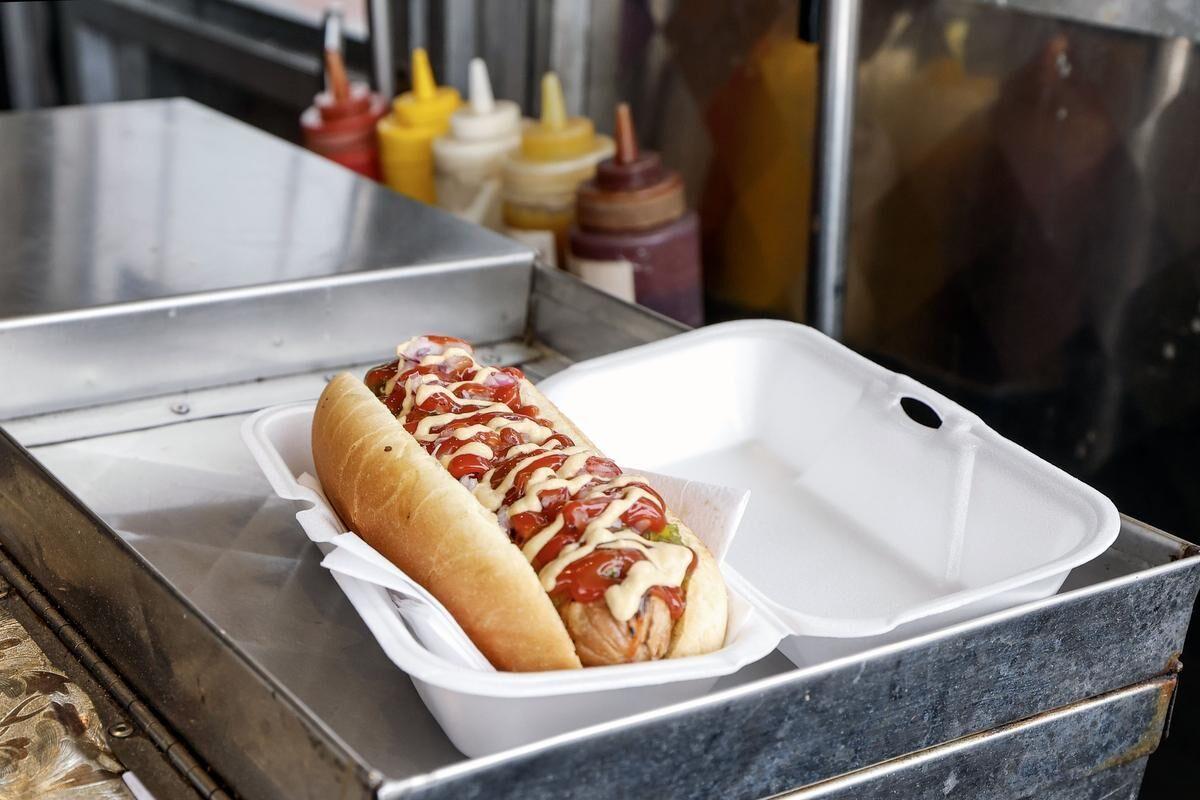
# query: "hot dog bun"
{"points": [[401, 501], [406, 505]]}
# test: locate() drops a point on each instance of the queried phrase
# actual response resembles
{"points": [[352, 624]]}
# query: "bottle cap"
{"points": [[632, 190], [556, 136], [342, 103], [427, 104], [484, 117], [344, 115]]}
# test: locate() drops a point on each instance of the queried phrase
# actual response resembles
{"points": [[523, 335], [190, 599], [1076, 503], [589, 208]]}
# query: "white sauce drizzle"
{"points": [[663, 563], [468, 449]]}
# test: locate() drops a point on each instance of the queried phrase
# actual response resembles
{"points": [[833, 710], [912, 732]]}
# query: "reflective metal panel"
{"points": [[125, 202], [1028, 239], [1054, 756], [159, 246]]}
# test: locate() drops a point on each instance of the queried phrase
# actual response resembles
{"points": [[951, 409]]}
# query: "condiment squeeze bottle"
{"points": [[558, 152], [468, 160], [634, 235], [340, 124], [406, 135]]}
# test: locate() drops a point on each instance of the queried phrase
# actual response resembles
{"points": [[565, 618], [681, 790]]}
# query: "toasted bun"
{"points": [[402, 502]]}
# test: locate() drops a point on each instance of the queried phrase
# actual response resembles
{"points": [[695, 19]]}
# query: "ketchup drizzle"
{"points": [[584, 580]]}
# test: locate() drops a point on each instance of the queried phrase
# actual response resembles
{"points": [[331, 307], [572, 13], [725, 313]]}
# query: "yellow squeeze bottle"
{"points": [[539, 181], [406, 135]]}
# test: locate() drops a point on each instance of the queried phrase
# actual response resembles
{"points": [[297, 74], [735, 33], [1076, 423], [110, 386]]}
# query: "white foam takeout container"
{"points": [[863, 525]]}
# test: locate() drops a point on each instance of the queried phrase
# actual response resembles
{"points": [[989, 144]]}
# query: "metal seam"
{"points": [[176, 752]]}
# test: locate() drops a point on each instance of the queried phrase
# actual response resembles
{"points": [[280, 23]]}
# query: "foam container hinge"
{"points": [[863, 526]]}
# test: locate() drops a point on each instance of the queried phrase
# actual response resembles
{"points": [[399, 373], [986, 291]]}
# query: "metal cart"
{"points": [[137, 528]]}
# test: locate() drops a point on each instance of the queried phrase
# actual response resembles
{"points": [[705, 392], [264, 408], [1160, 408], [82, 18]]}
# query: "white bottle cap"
{"points": [[480, 88], [484, 117]]}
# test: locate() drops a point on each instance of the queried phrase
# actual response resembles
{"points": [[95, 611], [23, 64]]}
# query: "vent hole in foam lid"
{"points": [[920, 412]]}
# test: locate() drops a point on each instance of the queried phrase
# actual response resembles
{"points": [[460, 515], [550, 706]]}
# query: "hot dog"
{"points": [[545, 551]]}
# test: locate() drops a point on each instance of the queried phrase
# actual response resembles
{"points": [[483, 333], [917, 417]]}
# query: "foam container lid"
{"points": [[862, 518]]}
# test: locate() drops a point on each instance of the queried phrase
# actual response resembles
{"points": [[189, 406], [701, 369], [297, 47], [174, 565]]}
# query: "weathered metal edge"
{"points": [[174, 752], [78, 572], [579, 321], [1055, 748], [159, 346], [236, 718]]}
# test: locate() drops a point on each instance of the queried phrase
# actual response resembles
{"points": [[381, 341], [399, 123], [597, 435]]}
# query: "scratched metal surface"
{"points": [[1055, 755], [165, 545]]}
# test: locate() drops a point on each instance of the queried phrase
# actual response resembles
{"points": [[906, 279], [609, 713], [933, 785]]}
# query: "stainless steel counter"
{"points": [[150, 242], [128, 202]]}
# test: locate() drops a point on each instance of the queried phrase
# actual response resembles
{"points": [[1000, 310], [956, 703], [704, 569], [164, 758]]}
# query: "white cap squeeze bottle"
{"points": [[468, 159]]}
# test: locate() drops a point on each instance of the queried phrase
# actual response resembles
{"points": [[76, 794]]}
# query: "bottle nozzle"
{"points": [[557, 137], [626, 136], [427, 103], [335, 76], [335, 66], [482, 100], [554, 107], [423, 86]]}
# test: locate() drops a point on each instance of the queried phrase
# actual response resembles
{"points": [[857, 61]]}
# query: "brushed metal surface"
{"points": [[127, 202], [1054, 756], [188, 499], [383, 62], [160, 246], [577, 321], [839, 83]]}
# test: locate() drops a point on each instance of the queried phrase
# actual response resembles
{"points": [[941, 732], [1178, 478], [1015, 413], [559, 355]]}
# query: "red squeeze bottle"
{"points": [[340, 124], [634, 236]]}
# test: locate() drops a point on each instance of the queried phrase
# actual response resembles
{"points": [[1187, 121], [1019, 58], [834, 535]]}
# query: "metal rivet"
{"points": [[120, 730], [180, 408]]}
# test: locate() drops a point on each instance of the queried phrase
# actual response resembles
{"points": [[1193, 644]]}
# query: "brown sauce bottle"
{"points": [[634, 236]]}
